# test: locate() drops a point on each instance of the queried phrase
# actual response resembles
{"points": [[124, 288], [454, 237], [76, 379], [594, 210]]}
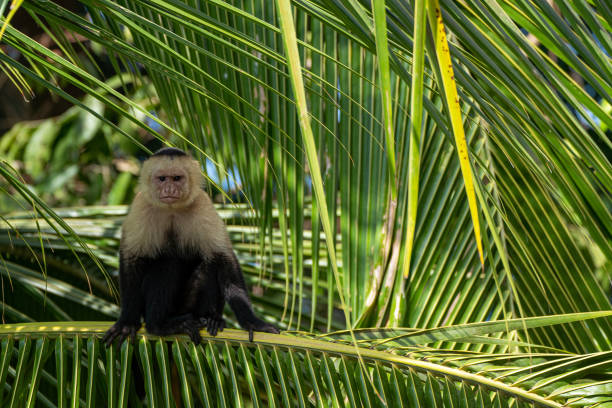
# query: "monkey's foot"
{"points": [[192, 329], [213, 324], [120, 331], [260, 326]]}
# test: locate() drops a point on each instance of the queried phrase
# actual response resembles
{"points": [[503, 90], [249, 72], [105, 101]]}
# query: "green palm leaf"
{"points": [[287, 370]]}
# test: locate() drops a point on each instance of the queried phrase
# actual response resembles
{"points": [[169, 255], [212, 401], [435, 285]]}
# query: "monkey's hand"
{"points": [[213, 324], [120, 331], [260, 326]]}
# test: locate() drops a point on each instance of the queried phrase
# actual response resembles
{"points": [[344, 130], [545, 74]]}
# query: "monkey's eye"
{"points": [[162, 178], [177, 178]]}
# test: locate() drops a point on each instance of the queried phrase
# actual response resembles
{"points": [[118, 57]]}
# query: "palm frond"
{"points": [[282, 370]]}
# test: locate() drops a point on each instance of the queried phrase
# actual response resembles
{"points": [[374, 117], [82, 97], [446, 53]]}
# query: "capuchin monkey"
{"points": [[177, 267]]}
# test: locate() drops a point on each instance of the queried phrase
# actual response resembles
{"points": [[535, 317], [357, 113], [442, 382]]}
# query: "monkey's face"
{"points": [[170, 185]]}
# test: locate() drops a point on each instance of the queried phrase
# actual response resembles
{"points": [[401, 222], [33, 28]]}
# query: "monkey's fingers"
{"points": [[192, 328], [212, 327], [110, 336], [121, 338], [215, 325], [262, 327], [125, 333], [106, 337], [194, 335], [268, 328]]}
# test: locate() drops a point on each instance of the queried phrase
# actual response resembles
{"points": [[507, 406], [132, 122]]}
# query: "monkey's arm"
{"points": [[130, 279], [235, 293]]}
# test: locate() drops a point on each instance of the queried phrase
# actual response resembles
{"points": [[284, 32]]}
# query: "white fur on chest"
{"points": [[146, 229]]}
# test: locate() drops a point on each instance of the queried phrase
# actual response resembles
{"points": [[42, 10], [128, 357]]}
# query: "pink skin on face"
{"points": [[170, 185]]}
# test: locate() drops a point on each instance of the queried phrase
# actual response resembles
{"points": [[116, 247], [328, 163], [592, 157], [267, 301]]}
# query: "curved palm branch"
{"points": [[67, 363]]}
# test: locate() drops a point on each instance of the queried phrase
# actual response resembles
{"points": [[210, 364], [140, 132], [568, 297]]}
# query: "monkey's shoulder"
{"points": [[148, 229]]}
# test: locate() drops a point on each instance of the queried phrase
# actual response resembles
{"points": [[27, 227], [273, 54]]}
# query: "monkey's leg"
{"points": [[161, 297], [208, 304], [178, 325], [131, 271], [232, 286]]}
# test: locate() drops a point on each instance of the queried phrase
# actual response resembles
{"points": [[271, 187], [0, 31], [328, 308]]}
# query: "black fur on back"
{"points": [[169, 151]]}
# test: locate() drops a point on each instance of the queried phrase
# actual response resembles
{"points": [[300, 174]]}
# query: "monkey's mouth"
{"points": [[169, 199]]}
